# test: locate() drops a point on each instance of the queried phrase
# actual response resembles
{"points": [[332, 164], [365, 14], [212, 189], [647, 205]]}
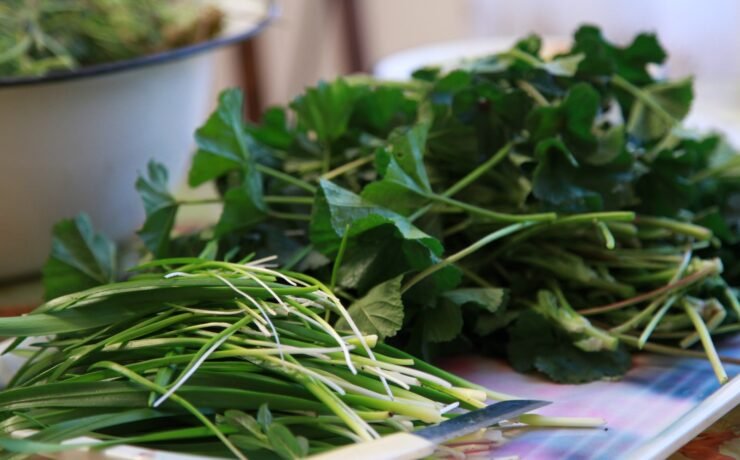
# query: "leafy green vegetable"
{"points": [[455, 204], [80, 258], [234, 356], [379, 312], [535, 344], [338, 210], [161, 209]]}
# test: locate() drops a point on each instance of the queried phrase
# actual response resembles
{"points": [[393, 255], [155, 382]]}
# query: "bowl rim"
{"points": [[145, 60]]}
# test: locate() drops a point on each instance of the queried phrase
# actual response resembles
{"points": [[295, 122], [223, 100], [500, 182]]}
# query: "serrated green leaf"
{"points": [[404, 185], [161, 209], [338, 210], [674, 97], [244, 205], [326, 109], [491, 300], [379, 312], [222, 141], [381, 109], [535, 344], [80, 258], [441, 323]]}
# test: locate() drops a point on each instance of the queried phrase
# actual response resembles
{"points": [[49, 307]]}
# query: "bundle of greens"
{"points": [[553, 211], [226, 359], [42, 36]]}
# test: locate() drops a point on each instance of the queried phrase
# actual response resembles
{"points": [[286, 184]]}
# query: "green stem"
{"points": [[179, 400], [533, 93], [471, 177], [615, 216], [289, 216], [666, 350], [492, 215], [281, 199], [561, 422], [200, 202], [664, 300], [609, 240], [713, 269], [367, 80], [439, 373], [520, 55], [339, 408], [326, 158], [287, 178], [338, 171], [696, 231], [638, 93], [273, 199], [706, 341], [498, 234], [338, 259]]}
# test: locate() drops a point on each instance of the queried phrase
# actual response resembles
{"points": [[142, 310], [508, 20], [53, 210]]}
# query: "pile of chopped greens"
{"points": [[554, 211], [42, 36], [223, 359]]}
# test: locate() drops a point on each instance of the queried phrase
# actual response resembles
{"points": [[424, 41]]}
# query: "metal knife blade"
{"points": [[477, 419], [422, 443]]}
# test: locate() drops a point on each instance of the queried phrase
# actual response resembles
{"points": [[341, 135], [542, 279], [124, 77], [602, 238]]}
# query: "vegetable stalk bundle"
{"points": [[217, 358]]}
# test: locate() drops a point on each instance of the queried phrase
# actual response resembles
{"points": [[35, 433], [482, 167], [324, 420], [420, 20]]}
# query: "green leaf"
{"points": [[80, 258], [161, 209], [674, 97], [264, 417], [488, 323], [603, 59], [244, 205], [326, 109], [285, 443], [249, 443], [337, 210], [273, 129], [563, 183], [405, 185], [380, 110], [585, 336], [379, 312], [489, 299], [572, 121], [535, 344], [531, 44], [555, 180], [564, 66], [222, 141], [77, 319], [441, 323], [243, 421]]}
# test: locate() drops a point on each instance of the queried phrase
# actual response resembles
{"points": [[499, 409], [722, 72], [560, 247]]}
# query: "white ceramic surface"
{"points": [[75, 142], [76, 146]]}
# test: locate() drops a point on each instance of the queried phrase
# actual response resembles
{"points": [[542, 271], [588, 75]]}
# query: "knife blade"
{"points": [[421, 443]]}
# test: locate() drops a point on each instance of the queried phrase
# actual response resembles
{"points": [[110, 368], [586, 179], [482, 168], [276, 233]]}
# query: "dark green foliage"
{"points": [[416, 180]]}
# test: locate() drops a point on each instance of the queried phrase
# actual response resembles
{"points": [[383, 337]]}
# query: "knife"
{"points": [[421, 443]]}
